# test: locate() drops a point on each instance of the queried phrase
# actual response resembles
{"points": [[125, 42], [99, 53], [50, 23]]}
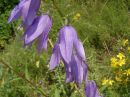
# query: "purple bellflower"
{"points": [[91, 89], [26, 9], [38, 30], [70, 50]]}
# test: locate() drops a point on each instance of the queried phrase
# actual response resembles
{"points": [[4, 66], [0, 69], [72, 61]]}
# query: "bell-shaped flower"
{"points": [[68, 41], [26, 9], [70, 50], [38, 30], [91, 89]]}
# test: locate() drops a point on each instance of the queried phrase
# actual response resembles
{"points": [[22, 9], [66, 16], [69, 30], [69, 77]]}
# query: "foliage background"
{"points": [[101, 25]]}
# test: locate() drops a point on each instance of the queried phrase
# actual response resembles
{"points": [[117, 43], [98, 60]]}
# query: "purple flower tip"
{"points": [[91, 89], [26, 9]]}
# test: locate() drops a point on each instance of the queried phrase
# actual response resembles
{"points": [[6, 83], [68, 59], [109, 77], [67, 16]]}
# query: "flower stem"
{"points": [[50, 42]]}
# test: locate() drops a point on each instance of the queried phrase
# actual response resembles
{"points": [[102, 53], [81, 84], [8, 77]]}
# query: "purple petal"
{"points": [[39, 26], [77, 69], [55, 58], [42, 43], [80, 49], [29, 11], [31, 27], [69, 77], [91, 89], [44, 37], [85, 70], [16, 12], [66, 39]]}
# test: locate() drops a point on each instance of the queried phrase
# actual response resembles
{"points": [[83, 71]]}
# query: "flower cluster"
{"points": [[120, 66], [68, 48], [36, 27], [118, 61], [107, 82]]}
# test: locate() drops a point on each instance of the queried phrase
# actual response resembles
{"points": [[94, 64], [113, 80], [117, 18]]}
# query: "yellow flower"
{"points": [[120, 56], [114, 62], [127, 72], [77, 16], [125, 42], [111, 82], [107, 82], [122, 62], [104, 81]]}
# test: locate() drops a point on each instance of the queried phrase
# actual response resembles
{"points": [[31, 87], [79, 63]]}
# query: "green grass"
{"points": [[101, 25]]}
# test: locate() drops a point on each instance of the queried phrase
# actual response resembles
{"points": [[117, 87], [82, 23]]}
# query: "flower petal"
{"points": [[69, 77], [80, 49], [85, 70], [29, 11], [16, 13], [66, 38], [91, 89], [77, 69], [55, 58], [39, 26], [44, 37]]}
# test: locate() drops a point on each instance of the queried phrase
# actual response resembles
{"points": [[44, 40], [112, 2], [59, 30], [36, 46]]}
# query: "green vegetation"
{"points": [[6, 30], [101, 25]]}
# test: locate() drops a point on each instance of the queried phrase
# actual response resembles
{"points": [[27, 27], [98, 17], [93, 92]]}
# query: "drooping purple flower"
{"points": [[70, 50], [68, 41], [91, 89], [38, 30], [26, 9]]}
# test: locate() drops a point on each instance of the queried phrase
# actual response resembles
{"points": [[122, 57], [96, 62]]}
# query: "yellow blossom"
{"points": [[111, 82], [125, 42], [114, 62], [77, 16], [104, 81], [107, 82], [122, 62], [120, 56], [127, 72]]}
